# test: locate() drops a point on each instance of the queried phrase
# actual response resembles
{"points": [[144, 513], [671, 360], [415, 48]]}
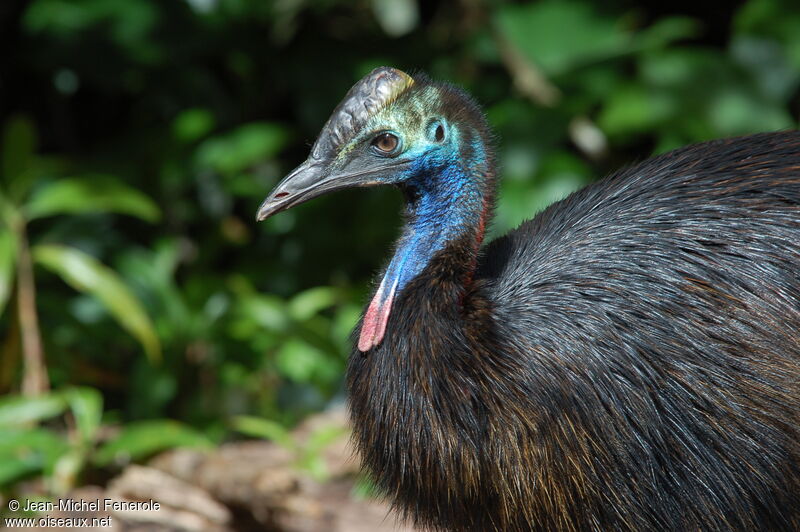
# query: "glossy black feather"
{"points": [[627, 360]]}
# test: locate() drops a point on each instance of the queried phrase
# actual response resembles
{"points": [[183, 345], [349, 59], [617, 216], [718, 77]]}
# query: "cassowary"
{"points": [[629, 359]]}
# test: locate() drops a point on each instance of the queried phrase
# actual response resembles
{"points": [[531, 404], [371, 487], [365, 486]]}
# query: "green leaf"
{"points": [[8, 255], [86, 405], [242, 148], [309, 303], [141, 439], [636, 109], [299, 360], [27, 451], [558, 36], [266, 310], [86, 274], [91, 194], [665, 31], [18, 411], [13, 466], [192, 124], [264, 428]]}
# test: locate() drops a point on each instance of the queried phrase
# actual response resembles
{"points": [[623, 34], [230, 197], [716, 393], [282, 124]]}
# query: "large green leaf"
{"points": [[85, 273], [90, 194], [20, 411], [8, 253], [558, 36], [241, 148], [538, 31], [141, 439]]}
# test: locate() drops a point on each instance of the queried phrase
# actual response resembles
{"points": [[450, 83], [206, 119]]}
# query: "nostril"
{"points": [[281, 195]]}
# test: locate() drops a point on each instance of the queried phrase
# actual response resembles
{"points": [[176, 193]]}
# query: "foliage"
{"points": [[27, 446], [28, 192], [140, 136]]}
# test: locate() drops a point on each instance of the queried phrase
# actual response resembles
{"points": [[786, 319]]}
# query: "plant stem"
{"points": [[9, 355], [34, 377]]}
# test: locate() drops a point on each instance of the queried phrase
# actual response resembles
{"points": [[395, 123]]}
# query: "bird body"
{"points": [[629, 359]]}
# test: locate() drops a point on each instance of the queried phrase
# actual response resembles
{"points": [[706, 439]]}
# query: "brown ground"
{"points": [[243, 486]]}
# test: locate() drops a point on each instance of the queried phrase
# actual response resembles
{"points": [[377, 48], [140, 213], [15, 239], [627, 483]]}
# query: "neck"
{"points": [[451, 215], [447, 207]]}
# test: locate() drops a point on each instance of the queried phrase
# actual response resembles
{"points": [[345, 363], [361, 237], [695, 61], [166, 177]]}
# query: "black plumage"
{"points": [[629, 359]]}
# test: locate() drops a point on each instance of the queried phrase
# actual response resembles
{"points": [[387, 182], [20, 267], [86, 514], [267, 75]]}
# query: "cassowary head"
{"points": [[390, 129]]}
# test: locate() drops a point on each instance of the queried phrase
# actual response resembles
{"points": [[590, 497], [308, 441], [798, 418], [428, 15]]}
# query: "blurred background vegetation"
{"points": [[142, 307]]}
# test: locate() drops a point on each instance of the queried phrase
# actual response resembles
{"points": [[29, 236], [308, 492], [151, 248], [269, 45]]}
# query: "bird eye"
{"points": [[439, 134], [386, 143]]}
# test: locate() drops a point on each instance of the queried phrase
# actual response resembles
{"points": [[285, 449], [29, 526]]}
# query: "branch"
{"points": [[34, 377]]}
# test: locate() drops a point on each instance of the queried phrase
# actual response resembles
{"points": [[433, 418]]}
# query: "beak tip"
{"points": [[263, 212]]}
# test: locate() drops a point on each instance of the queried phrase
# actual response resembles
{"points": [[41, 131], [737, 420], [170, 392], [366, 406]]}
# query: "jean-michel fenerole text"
{"points": [[91, 505]]}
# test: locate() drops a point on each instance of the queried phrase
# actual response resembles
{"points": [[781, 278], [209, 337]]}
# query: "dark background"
{"points": [[139, 137]]}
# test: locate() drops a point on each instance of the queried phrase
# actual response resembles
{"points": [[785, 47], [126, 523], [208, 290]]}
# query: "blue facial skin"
{"points": [[446, 202]]}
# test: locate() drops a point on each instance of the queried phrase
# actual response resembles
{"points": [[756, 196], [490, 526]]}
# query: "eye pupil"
{"points": [[439, 134], [385, 142]]}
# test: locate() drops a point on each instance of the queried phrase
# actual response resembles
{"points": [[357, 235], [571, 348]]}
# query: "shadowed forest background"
{"points": [[141, 306]]}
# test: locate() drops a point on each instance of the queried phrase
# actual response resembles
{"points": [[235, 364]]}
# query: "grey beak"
{"points": [[303, 183], [311, 179]]}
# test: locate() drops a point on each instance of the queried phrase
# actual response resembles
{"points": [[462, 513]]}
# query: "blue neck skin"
{"points": [[446, 203]]}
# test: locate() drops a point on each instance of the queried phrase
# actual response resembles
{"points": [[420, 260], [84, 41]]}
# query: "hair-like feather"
{"points": [[629, 359]]}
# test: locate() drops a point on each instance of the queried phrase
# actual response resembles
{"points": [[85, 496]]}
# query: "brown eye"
{"points": [[439, 134], [386, 143]]}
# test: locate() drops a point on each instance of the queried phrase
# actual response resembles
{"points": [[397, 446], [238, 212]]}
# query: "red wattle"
{"points": [[376, 318]]}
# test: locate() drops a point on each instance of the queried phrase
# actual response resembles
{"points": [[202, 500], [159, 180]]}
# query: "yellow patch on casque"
{"points": [[397, 87]]}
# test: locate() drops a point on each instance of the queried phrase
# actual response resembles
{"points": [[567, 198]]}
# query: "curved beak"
{"points": [[312, 179]]}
